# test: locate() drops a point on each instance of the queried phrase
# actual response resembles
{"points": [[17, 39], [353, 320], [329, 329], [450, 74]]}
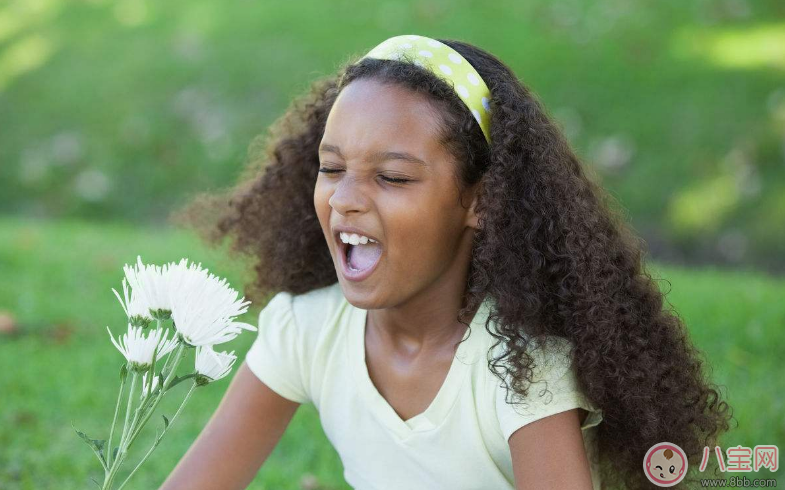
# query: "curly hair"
{"points": [[552, 249]]}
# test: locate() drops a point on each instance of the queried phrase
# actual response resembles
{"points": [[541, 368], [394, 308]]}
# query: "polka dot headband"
{"points": [[447, 64]]}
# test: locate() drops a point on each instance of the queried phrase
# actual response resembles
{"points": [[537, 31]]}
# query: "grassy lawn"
{"points": [[118, 110], [62, 369], [680, 106]]}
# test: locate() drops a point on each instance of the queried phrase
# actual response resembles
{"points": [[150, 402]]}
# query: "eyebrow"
{"points": [[377, 157]]}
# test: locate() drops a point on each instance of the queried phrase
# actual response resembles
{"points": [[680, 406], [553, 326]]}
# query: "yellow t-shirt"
{"points": [[311, 348]]}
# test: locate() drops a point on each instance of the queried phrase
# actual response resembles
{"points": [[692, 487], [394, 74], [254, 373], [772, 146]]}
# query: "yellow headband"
{"points": [[447, 64]]}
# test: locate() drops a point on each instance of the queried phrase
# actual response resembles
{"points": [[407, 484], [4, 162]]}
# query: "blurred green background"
{"points": [[114, 113]]}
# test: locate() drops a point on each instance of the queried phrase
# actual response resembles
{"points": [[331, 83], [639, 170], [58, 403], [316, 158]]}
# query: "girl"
{"points": [[464, 306]]}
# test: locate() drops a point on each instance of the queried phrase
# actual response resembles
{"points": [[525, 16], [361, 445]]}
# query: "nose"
{"points": [[349, 196]]}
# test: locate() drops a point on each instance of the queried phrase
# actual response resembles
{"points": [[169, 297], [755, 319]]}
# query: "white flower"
{"points": [[204, 306], [135, 308], [212, 365], [156, 381], [138, 349], [151, 283]]}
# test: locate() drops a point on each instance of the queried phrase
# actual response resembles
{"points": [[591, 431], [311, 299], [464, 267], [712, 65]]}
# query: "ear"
{"points": [[472, 219]]}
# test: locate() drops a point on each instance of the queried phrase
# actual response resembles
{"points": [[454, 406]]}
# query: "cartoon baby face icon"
{"points": [[665, 464]]}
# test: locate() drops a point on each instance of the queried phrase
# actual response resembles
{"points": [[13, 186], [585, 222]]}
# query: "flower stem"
{"points": [[134, 375], [168, 361], [158, 439], [144, 413], [148, 399], [178, 356], [114, 421], [109, 477]]}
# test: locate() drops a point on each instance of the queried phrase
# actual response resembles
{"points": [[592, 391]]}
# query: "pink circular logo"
{"points": [[665, 464]]}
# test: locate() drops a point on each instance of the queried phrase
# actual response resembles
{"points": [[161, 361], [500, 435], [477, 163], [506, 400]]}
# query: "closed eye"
{"points": [[395, 180], [658, 466], [388, 179]]}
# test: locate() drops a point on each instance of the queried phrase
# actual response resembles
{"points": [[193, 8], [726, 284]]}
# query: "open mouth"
{"points": [[362, 257], [358, 261]]}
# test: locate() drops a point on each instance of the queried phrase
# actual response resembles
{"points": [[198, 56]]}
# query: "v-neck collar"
{"points": [[435, 414]]}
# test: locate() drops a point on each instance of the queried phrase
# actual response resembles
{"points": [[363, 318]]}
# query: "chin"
{"points": [[366, 300]]}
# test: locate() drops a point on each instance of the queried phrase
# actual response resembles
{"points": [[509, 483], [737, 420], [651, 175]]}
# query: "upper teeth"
{"points": [[355, 239]]}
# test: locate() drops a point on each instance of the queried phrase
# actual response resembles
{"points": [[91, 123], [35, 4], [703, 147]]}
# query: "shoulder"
{"points": [[554, 387], [318, 306], [289, 351], [307, 311], [551, 356]]}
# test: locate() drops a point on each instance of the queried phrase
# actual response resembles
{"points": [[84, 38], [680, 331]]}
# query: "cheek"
{"points": [[322, 209], [430, 215], [418, 239], [321, 199]]}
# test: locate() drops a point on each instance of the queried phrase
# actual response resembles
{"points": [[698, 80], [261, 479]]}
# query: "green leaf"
{"points": [[166, 421], [123, 372], [97, 445], [114, 453], [180, 379]]}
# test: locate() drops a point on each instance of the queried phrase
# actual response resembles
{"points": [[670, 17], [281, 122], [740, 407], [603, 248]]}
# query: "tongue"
{"points": [[362, 257]]}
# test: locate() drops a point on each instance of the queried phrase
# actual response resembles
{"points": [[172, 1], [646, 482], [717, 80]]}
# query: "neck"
{"points": [[428, 321], [428, 330]]}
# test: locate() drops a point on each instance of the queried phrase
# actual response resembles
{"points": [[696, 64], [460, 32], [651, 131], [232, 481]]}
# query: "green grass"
{"points": [[164, 98], [62, 369], [120, 109]]}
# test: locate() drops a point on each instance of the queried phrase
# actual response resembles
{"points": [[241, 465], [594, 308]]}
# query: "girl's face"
{"points": [[373, 134]]}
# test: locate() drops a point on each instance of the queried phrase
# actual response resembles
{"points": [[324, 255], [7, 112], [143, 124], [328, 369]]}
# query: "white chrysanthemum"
{"points": [[212, 365], [136, 309], [138, 349], [151, 283], [156, 382], [204, 306]]}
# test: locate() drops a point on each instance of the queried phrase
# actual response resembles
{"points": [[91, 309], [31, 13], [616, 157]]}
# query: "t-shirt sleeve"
{"points": [[554, 389], [276, 357]]}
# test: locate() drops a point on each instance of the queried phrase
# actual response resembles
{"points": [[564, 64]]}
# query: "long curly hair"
{"points": [[553, 250]]}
